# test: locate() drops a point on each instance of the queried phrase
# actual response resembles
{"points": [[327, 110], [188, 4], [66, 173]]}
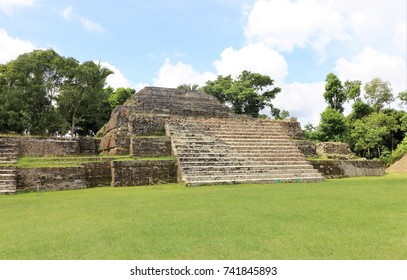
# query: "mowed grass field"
{"points": [[355, 218]]}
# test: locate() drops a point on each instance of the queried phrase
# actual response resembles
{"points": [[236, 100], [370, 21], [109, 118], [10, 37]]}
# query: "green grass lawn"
{"points": [[355, 218]]}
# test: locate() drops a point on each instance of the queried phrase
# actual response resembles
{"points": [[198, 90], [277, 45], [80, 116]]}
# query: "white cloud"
{"points": [[7, 6], [288, 24], [173, 75], [67, 13], [255, 58], [117, 79], [11, 48], [370, 64], [400, 36], [284, 24], [303, 101], [92, 26]]}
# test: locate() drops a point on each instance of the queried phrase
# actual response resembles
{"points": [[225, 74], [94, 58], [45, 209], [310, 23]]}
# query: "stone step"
{"points": [[252, 136], [265, 172], [246, 168], [191, 178], [254, 181], [276, 150], [238, 158], [7, 182], [242, 163], [5, 176], [234, 153], [7, 191], [11, 161]]}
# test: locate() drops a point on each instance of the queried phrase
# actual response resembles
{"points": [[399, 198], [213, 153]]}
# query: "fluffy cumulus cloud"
{"points": [[340, 31], [7, 6], [117, 79], [287, 24], [284, 24], [256, 58], [370, 64], [173, 75], [303, 101], [11, 47]]}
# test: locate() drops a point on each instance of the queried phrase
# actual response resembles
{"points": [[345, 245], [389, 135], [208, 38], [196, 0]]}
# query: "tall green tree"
{"points": [[332, 126], [378, 93], [352, 90], [29, 85], [248, 94], [370, 133], [83, 103], [334, 94]]}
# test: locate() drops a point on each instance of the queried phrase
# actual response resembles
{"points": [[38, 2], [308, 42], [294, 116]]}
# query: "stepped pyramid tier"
{"points": [[227, 151], [146, 112], [9, 150], [8, 179], [212, 145]]}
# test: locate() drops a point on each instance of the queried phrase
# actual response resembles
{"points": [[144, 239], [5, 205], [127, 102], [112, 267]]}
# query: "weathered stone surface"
{"points": [[98, 174], [150, 146], [64, 178], [335, 150], [146, 113], [292, 129], [348, 168], [177, 102], [307, 147], [143, 172]]}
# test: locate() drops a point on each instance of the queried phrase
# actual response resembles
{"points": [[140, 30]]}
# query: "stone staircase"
{"points": [[228, 151], [9, 152], [8, 179]]}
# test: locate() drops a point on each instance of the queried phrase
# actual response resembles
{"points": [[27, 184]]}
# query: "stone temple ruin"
{"points": [[211, 144], [175, 136]]}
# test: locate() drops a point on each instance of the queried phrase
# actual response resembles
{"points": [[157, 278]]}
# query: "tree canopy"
{"points": [[378, 93], [44, 93], [247, 94]]}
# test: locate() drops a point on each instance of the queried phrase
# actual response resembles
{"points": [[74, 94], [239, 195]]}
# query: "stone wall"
{"points": [[143, 172], [307, 147], [98, 174], [177, 102], [348, 168], [119, 130], [64, 178], [292, 128], [150, 146], [43, 147], [335, 150]]}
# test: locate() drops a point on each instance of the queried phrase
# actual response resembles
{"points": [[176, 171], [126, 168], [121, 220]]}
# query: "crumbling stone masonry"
{"points": [[143, 172]]}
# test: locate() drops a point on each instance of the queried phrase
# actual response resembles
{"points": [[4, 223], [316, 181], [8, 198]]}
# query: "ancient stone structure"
{"points": [[143, 172], [146, 113], [335, 150], [226, 151], [334, 169], [211, 144]]}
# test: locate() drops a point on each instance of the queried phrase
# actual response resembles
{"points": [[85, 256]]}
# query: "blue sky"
{"points": [[170, 42]]}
